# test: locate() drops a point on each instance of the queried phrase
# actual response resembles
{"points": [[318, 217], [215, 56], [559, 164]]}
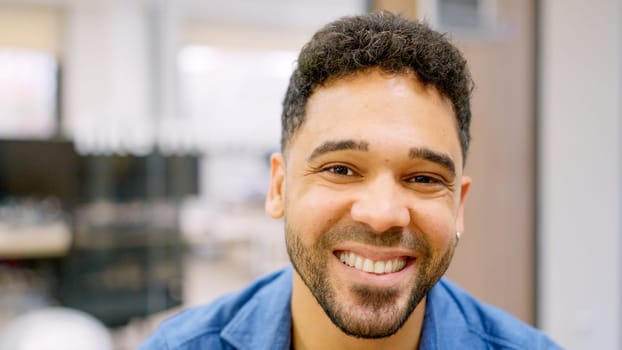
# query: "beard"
{"points": [[374, 312]]}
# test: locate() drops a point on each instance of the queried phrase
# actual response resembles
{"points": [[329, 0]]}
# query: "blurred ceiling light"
{"points": [[232, 96], [203, 59], [28, 94]]}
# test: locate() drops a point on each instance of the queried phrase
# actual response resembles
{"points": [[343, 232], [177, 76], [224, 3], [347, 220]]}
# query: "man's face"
{"points": [[372, 193]]}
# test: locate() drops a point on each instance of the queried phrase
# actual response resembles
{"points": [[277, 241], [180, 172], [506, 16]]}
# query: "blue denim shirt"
{"points": [[259, 317]]}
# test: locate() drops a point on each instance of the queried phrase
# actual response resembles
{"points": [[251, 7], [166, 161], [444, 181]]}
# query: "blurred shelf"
{"points": [[52, 240]]}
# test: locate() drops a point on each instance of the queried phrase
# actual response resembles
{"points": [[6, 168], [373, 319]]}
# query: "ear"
{"points": [[275, 200], [464, 190]]}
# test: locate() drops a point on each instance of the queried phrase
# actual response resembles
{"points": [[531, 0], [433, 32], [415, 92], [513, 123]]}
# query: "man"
{"points": [[370, 184]]}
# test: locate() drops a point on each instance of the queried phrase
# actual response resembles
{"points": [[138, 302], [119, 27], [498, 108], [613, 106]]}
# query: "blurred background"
{"points": [[134, 145]]}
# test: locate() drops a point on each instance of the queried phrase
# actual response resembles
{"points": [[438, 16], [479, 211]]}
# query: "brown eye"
{"points": [[340, 170], [424, 179]]}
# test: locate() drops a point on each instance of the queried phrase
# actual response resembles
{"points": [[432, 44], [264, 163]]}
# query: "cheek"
{"points": [[315, 211], [437, 221]]}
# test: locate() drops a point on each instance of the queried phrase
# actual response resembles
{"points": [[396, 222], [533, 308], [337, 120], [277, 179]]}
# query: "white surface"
{"points": [[55, 328], [27, 94], [581, 173]]}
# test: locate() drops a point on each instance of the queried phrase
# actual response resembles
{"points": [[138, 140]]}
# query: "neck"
{"points": [[312, 329]]}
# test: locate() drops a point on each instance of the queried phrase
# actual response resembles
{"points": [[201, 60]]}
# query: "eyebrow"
{"points": [[341, 145], [439, 158]]}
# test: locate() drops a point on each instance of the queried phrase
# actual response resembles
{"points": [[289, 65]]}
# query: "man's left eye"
{"points": [[424, 179]]}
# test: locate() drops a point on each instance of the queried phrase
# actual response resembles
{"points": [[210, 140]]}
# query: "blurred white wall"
{"points": [[107, 86], [580, 180], [121, 85]]}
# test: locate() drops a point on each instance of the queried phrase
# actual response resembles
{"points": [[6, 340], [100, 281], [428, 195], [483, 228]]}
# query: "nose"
{"points": [[381, 205]]}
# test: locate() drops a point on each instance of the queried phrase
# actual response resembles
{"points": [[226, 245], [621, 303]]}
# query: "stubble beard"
{"points": [[376, 313]]}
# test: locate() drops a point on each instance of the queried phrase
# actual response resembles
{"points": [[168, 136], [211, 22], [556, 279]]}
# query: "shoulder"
{"points": [[484, 323], [203, 325]]}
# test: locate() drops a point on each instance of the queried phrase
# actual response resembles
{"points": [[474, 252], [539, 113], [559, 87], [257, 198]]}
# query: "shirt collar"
{"points": [[268, 311], [444, 325]]}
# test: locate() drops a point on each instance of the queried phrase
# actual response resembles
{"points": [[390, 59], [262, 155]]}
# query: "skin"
{"points": [[376, 169]]}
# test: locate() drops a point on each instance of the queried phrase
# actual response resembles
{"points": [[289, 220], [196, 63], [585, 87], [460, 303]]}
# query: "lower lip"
{"points": [[379, 280]]}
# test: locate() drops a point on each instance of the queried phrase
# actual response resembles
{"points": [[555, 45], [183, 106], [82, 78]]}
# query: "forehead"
{"points": [[381, 109]]}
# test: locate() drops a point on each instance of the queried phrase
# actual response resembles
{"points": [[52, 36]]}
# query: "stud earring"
{"points": [[457, 236]]}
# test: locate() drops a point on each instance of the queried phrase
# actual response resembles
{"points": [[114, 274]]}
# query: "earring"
{"points": [[457, 236]]}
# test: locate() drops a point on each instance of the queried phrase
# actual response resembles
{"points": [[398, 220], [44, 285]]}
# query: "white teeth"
{"points": [[379, 267], [388, 266], [351, 259], [370, 266], [359, 263]]}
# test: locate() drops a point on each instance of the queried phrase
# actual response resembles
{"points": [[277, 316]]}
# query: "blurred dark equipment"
{"points": [[125, 262], [128, 178], [40, 169], [125, 259]]}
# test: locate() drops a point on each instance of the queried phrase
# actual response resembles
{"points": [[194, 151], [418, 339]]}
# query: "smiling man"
{"points": [[370, 183]]}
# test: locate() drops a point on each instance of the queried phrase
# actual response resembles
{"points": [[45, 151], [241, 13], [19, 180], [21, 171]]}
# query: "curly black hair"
{"points": [[384, 41]]}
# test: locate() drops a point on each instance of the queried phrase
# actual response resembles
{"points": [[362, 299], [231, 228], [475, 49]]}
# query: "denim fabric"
{"points": [[259, 317]]}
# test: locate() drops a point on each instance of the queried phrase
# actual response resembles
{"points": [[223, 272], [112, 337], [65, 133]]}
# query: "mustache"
{"points": [[361, 233]]}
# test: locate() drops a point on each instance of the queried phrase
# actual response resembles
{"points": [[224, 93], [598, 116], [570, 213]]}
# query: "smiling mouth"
{"points": [[370, 266]]}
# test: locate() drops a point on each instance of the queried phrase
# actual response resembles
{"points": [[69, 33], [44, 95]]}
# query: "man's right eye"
{"points": [[340, 170]]}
